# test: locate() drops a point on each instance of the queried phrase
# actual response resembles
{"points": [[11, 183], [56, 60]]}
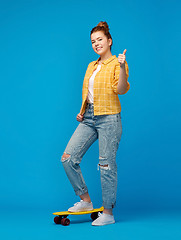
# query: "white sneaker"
{"points": [[81, 206], [103, 219]]}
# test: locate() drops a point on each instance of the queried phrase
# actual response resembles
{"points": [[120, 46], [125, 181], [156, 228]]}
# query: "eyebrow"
{"points": [[96, 38]]}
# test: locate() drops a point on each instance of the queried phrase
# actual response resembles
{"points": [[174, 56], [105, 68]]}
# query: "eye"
{"points": [[100, 39]]}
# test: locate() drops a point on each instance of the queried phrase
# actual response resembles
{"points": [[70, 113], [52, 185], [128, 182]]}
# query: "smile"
{"points": [[98, 48]]}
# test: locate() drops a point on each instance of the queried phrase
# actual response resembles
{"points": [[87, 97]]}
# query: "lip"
{"points": [[99, 48]]}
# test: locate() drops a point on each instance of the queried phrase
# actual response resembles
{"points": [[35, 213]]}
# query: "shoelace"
{"points": [[78, 202]]}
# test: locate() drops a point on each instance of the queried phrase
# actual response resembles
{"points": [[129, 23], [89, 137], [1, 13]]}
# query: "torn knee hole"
{"points": [[105, 167], [65, 156]]}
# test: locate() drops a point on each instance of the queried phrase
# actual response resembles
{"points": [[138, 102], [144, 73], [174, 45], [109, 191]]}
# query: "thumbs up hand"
{"points": [[122, 58]]}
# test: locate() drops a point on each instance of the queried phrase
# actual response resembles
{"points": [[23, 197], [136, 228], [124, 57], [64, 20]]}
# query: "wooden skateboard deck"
{"points": [[61, 217]]}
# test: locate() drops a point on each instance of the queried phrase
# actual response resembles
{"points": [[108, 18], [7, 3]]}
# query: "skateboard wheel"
{"points": [[94, 215], [65, 221], [57, 220]]}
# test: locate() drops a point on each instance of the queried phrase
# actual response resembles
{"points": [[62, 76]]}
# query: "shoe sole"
{"points": [[103, 224], [82, 210]]}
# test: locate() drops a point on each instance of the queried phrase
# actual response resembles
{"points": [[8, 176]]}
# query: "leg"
{"points": [[83, 137], [109, 133], [85, 197]]}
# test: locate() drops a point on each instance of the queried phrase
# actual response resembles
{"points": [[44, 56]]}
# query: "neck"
{"points": [[105, 56]]}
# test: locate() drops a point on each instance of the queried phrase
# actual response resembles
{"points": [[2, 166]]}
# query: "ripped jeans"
{"points": [[106, 128]]}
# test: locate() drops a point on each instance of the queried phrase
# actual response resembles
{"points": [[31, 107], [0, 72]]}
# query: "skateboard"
{"points": [[61, 217]]}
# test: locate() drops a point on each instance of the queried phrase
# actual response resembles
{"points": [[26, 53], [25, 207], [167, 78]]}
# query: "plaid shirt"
{"points": [[106, 100]]}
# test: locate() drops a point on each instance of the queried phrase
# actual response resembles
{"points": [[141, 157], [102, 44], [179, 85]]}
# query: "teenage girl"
{"points": [[100, 118]]}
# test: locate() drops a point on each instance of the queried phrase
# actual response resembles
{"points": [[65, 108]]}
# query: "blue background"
{"points": [[45, 49]]}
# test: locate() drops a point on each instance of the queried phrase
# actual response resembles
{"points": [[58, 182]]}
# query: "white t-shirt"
{"points": [[90, 95]]}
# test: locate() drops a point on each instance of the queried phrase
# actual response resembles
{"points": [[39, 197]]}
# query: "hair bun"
{"points": [[103, 24]]}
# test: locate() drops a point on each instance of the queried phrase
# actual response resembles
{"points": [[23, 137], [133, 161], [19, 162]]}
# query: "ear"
{"points": [[110, 41]]}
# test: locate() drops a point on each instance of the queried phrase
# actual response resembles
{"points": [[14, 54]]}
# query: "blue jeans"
{"points": [[106, 128]]}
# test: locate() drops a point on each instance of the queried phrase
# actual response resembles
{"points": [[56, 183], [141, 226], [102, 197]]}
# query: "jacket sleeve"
{"points": [[85, 82], [84, 86], [116, 77]]}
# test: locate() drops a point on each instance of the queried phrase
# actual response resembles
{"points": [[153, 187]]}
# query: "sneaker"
{"points": [[103, 219], [81, 206]]}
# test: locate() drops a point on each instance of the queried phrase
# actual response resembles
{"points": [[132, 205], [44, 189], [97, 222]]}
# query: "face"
{"points": [[100, 43]]}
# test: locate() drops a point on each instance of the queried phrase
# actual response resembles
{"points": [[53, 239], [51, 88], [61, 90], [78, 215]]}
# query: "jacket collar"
{"points": [[105, 61]]}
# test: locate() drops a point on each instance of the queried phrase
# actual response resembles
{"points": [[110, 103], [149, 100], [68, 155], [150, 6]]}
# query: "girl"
{"points": [[100, 118]]}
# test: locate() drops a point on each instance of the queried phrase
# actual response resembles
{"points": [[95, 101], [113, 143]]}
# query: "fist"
{"points": [[122, 58], [79, 117]]}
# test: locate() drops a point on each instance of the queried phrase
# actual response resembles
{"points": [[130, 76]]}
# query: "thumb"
{"points": [[124, 52]]}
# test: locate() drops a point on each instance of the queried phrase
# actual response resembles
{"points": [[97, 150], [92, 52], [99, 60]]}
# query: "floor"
{"points": [[39, 225]]}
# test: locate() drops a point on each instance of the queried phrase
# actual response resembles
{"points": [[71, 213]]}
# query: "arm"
{"points": [[122, 83]]}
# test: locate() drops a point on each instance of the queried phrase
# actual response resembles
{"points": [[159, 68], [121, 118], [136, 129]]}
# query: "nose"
{"points": [[96, 44]]}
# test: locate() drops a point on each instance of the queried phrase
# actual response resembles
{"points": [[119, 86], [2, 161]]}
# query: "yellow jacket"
{"points": [[106, 100]]}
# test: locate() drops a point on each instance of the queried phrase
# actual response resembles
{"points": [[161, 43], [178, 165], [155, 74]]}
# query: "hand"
{"points": [[122, 58], [79, 117]]}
